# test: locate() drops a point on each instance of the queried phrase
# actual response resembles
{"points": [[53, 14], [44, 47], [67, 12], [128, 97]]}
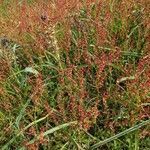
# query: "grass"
{"points": [[121, 134], [74, 75]]}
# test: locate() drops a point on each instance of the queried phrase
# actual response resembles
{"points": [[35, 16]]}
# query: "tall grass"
{"points": [[71, 60]]}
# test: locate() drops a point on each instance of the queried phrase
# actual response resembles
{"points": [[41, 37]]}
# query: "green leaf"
{"points": [[125, 78], [50, 131], [21, 114], [31, 70], [120, 134]]}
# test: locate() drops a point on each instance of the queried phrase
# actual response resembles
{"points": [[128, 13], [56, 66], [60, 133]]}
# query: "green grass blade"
{"points": [[120, 134], [28, 126], [64, 146], [77, 145], [53, 130], [21, 114]]}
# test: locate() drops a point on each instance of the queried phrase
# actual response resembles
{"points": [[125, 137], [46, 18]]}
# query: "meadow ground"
{"points": [[74, 75]]}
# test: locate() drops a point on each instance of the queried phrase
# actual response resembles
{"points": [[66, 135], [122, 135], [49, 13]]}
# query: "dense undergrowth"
{"points": [[79, 67]]}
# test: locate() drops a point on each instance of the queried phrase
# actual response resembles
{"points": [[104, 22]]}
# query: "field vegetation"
{"points": [[74, 75]]}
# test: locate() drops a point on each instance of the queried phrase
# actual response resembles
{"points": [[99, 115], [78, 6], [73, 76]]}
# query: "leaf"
{"points": [[44, 134], [121, 134], [125, 79], [31, 70], [14, 48], [19, 133], [21, 114], [77, 144], [53, 130]]}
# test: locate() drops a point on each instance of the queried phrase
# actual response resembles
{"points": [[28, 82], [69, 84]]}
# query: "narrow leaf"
{"points": [[121, 134]]}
